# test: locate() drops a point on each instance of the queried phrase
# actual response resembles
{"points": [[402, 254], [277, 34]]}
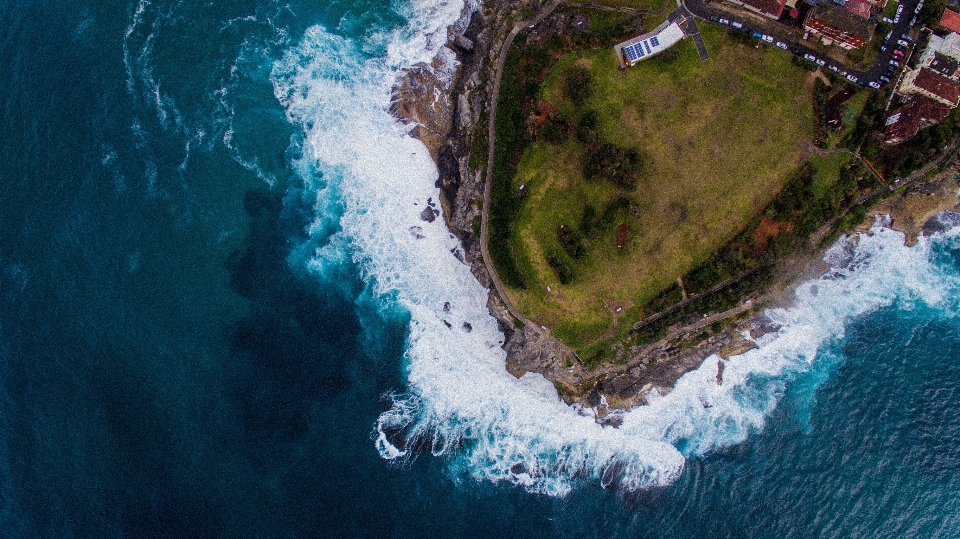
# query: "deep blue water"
{"points": [[171, 366]]}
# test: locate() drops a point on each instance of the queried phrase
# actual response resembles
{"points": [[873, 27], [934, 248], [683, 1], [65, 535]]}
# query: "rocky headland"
{"points": [[446, 105]]}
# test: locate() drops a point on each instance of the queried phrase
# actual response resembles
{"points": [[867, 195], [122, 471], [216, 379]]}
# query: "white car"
{"points": [[736, 24], [810, 57], [766, 38], [782, 45], [723, 21], [820, 62], [851, 78], [834, 68], [874, 84]]}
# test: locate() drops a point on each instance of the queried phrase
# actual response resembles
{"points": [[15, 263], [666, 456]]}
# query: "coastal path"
{"points": [[484, 215], [900, 182]]}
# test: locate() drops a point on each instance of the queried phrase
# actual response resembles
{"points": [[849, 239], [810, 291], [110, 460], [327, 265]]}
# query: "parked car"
{"points": [[852, 78], [894, 63], [782, 45], [714, 18], [736, 24], [724, 21], [902, 43], [767, 38], [834, 68], [884, 78], [898, 54], [821, 62], [810, 57], [906, 37], [874, 84]]}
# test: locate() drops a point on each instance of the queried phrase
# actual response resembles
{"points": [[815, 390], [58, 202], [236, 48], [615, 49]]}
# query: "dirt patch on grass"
{"points": [[617, 307], [767, 230]]}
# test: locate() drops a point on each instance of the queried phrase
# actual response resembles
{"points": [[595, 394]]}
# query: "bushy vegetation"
{"points": [[901, 160], [578, 85], [522, 72], [748, 261], [607, 161]]}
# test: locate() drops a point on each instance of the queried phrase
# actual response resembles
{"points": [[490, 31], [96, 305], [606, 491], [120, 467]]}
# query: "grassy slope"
{"points": [[719, 138]]}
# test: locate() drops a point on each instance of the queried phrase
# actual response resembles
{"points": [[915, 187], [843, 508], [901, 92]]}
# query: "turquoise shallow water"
{"points": [[197, 338]]}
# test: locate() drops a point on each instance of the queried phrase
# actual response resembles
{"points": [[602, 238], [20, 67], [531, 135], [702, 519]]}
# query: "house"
{"points": [[771, 9], [929, 83], [642, 47], [950, 21], [942, 55], [860, 8], [836, 25], [906, 121]]}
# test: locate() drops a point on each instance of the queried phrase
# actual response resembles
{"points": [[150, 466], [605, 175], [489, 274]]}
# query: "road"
{"points": [[689, 24], [700, 9]]}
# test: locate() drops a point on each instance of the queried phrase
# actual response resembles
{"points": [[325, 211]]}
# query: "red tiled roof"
{"points": [[858, 7], [938, 85], [950, 20], [838, 19], [773, 7]]}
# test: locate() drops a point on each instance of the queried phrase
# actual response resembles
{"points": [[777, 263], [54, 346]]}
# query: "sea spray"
{"points": [[460, 401]]}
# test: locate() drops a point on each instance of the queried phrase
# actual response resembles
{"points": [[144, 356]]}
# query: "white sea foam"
{"points": [[460, 400]]}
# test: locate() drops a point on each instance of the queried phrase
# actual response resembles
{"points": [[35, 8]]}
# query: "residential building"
{"points": [[942, 55], [836, 25], [906, 121], [771, 9], [860, 8], [929, 83], [950, 20]]}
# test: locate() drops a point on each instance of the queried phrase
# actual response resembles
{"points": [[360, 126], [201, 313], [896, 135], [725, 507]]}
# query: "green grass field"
{"points": [[649, 5], [718, 140]]}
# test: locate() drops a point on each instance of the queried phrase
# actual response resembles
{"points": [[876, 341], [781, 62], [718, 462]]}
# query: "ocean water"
{"points": [[221, 316]]}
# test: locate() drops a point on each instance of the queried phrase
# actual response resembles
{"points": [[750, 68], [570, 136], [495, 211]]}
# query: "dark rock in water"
{"points": [[518, 468], [446, 306], [468, 326], [429, 214], [417, 232], [612, 420], [448, 324], [941, 222], [593, 399], [762, 325]]}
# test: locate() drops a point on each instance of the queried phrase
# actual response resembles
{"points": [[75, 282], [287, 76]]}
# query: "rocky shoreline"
{"points": [[445, 104]]}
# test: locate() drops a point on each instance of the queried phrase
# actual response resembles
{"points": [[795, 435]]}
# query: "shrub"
{"points": [[610, 162], [578, 85]]}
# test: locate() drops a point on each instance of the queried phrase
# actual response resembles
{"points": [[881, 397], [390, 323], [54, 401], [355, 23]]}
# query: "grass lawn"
{"points": [[718, 140], [649, 5], [827, 170]]}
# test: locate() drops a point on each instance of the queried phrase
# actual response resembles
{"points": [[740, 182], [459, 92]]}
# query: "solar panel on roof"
{"points": [[655, 41], [631, 54], [639, 49], [647, 45]]}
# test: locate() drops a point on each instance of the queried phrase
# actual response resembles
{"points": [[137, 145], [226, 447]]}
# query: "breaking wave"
{"points": [[372, 181]]}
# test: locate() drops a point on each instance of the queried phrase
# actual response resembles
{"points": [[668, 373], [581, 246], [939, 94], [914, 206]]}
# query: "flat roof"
{"points": [[639, 48]]}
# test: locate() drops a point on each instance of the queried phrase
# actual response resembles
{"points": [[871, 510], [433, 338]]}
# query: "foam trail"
{"points": [[460, 399]]}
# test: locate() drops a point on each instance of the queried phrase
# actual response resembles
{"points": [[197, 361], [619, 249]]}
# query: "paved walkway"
{"points": [[688, 22], [491, 138]]}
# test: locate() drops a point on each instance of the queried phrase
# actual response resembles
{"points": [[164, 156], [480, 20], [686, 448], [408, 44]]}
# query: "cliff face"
{"points": [[444, 102]]}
